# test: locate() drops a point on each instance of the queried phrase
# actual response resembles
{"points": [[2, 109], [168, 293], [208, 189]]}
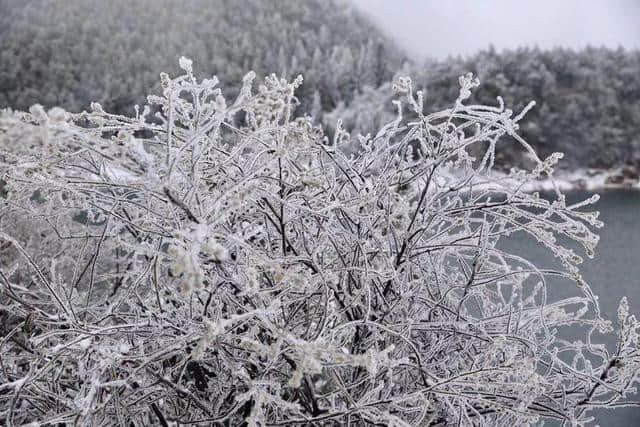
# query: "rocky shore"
{"points": [[591, 179]]}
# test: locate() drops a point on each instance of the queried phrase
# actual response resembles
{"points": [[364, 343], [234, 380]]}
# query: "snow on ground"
{"points": [[590, 180]]}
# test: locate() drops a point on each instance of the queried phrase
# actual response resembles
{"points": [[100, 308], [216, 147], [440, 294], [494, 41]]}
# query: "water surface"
{"points": [[614, 272]]}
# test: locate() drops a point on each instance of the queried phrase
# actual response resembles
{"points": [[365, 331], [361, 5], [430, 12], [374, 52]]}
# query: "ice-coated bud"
{"points": [[58, 115], [214, 249], [186, 64], [38, 113]]}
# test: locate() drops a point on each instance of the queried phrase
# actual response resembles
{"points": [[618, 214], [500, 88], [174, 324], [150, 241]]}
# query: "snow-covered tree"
{"points": [[588, 100], [222, 262], [70, 53]]}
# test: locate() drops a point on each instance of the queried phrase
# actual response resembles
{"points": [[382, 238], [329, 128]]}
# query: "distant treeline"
{"points": [[73, 52], [587, 101]]}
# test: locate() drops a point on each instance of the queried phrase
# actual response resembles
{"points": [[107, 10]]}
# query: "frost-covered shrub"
{"points": [[222, 262]]}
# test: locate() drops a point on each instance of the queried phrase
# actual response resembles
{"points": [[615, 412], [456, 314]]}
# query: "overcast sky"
{"points": [[439, 28]]}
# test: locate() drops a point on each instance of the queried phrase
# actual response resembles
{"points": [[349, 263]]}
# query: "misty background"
{"points": [[449, 28]]}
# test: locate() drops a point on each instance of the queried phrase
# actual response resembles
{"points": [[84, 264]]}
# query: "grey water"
{"points": [[613, 272]]}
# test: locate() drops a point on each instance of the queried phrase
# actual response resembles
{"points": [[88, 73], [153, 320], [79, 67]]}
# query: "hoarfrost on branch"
{"points": [[221, 260]]}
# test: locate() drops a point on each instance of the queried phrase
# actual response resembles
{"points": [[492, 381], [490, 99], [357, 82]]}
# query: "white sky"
{"points": [[438, 28]]}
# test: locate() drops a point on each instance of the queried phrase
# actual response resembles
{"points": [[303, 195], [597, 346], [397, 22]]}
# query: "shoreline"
{"points": [[589, 180]]}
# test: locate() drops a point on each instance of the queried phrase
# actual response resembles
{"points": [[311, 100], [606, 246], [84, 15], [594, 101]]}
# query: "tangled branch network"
{"points": [[224, 262]]}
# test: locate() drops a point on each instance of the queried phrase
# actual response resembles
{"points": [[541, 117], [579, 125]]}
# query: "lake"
{"points": [[614, 272]]}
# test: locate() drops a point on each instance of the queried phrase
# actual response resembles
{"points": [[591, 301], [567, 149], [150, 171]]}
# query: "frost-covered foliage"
{"points": [[223, 262]]}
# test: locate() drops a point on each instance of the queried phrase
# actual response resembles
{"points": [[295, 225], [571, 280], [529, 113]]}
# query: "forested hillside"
{"points": [[70, 53], [587, 101]]}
